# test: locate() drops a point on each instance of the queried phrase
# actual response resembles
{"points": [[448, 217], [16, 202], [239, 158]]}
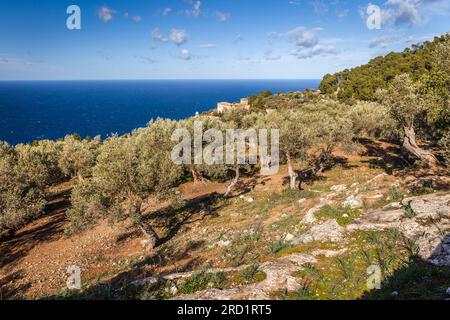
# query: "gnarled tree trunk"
{"points": [[233, 182], [150, 235], [324, 160], [80, 177], [197, 177], [292, 174], [410, 144]]}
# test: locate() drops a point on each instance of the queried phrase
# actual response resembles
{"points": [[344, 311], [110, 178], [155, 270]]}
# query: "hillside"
{"points": [[250, 245], [363, 81], [358, 207]]}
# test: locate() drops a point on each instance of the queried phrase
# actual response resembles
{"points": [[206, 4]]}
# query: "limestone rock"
{"points": [[328, 253], [223, 243], [339, 188], [429, 206], [309, 216], [328, 231], [353, 202], [433, 243], [278, 277], [289, 237]]}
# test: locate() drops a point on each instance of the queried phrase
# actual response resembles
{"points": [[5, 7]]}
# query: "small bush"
{"points": [[249, 272], [201, 281], [395, 194], [342, 215], [409, 212], [277, 246]]}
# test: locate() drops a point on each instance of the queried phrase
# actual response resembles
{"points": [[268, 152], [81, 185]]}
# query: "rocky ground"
{"points": [[265, 242], [428, 227]]}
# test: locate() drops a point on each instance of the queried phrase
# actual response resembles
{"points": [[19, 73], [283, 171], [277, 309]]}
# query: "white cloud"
{"points": [[409, 12], [246, 60], [137, 18], [303, 37], [185, 54], [317, 50], [386, 41], [268, 55], [208, 45], [105, 14], [273, 35], [222, 16], [238, 38], [146, 59], [438, 7], [196, 9], [402, 12], [320, 7], [307, 43], [179, 36], [158, 36], [343, 14], [166, 11]]}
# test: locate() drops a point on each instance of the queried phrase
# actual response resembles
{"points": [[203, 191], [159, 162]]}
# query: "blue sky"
{"points": [[206, 39]]}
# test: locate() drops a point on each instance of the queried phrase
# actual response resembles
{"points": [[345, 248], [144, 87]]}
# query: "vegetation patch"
{"points": [[342, 215]]}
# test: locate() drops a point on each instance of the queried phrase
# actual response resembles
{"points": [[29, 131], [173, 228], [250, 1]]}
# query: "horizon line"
{"points": [[159, 79]]}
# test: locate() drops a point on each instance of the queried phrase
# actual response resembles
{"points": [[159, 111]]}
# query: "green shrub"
{"points": [[342, 215]]}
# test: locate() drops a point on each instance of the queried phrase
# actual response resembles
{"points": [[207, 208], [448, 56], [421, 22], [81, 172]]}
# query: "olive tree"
{"points": [[77, 156], [405, 105], [22, 196], [39, 161], [199, 126], [129, 169], [239, 148], [331, 128], [371, 120], [297, 135]]}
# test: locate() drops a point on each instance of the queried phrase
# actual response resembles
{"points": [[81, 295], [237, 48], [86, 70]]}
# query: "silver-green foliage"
{"points": [[128, 170], [22, 189], [77, 157]]}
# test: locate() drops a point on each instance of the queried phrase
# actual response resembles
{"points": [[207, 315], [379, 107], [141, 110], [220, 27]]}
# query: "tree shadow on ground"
{"points": [[7, 288], [418, 280], [172, 218], [50, 226], [310, 176], [120, 286], [168, 221], [389, 158]]}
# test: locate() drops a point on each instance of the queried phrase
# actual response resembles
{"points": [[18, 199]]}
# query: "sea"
{"points": [[32, 110]]}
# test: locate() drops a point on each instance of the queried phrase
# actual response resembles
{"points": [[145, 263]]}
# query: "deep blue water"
{"points": [[51, 109]]}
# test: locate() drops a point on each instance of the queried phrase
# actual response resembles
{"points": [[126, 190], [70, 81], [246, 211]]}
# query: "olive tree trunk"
{"points": [[79, 176], [292, 174], [150, 235], [233, 182], [197, 177], [410, 144]]}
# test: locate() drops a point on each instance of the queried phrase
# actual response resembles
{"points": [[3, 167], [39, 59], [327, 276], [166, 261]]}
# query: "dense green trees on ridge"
{"points": [[362, 82]]}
